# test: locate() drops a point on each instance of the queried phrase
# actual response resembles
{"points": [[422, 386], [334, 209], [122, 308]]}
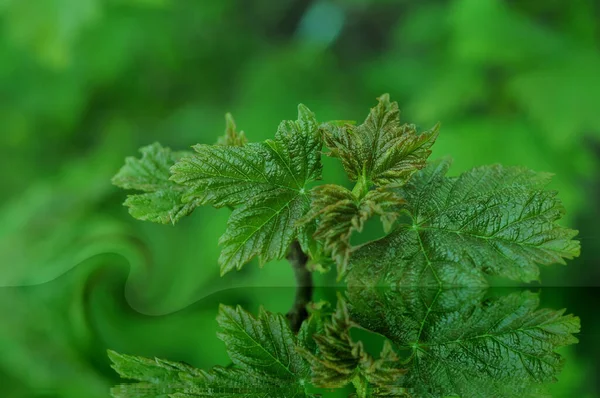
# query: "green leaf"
{"points": [[232, 137], [381, 150], [266, 180], [340, 360], [156, 377], [148, 370], [162, 200], [491, 220], [339, 213], [263, 347], [264, 356], [461, 344]]}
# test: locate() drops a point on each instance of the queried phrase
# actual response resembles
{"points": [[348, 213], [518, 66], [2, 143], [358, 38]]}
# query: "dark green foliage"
{"points": [[266, 180], [453, 342], [461, 344], [492, 220], [87, 82]]}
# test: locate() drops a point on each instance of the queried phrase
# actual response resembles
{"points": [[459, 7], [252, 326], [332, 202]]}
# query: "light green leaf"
{"points": [[461, 344], [381, 150], [339, 213], [491, 220], [232, 137], [162, 200], [340, 361], [267, 179]]}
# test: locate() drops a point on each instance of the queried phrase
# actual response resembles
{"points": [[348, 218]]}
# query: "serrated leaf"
{"points": [[232, 137], [218, 382], [267, 180], [340, 361], [229, 176], [264, 347], [264, 356], [465, 345], [149, 370], [491, 220], [339, 213], [380, 150], [262, 228], [161, 201]]}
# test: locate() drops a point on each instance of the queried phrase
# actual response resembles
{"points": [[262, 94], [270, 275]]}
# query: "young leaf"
{"points": [[267, 180], [340, 361], [339, 213], [265, 363], [162, 200], [232, 137], [313, 325], [491, 220], [461, 344], [381, 150]]}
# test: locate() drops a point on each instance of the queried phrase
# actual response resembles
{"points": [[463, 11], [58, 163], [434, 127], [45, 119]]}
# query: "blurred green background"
{"points": [[84, 83]]}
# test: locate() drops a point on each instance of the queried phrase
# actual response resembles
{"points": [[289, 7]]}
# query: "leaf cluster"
{"points": [[463, 342], [445, 235], [267, 184]]}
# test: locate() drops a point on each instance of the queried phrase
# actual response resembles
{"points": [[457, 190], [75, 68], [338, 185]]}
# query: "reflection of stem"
{"points": [[304, 286]]}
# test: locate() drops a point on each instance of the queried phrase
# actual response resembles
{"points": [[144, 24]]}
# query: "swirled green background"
{"points": [[83, 83]]}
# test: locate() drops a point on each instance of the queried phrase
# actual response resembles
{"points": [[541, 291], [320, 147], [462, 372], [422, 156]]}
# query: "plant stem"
{"points": [[304, 286]]}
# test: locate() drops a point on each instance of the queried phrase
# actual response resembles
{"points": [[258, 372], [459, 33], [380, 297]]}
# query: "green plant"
{"points": [[444, 235]]}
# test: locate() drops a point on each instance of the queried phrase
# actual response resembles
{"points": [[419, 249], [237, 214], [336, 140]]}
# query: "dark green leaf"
{"points": [[263, 347], [267, 180], [461, 344], [491, 220]]}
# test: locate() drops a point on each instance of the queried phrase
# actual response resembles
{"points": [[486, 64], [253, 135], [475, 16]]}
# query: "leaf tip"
{"points": [[112, 355], [384, 98], [229, 121]]}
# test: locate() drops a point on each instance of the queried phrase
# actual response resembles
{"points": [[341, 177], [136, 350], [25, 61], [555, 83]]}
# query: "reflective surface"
{"points": [[55, 336]]}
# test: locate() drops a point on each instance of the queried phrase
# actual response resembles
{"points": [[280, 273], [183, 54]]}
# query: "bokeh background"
{"points": [[84, 83]]}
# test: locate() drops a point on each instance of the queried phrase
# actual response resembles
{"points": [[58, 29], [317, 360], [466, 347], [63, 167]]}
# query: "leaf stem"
{"points": [[304, 286]]}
